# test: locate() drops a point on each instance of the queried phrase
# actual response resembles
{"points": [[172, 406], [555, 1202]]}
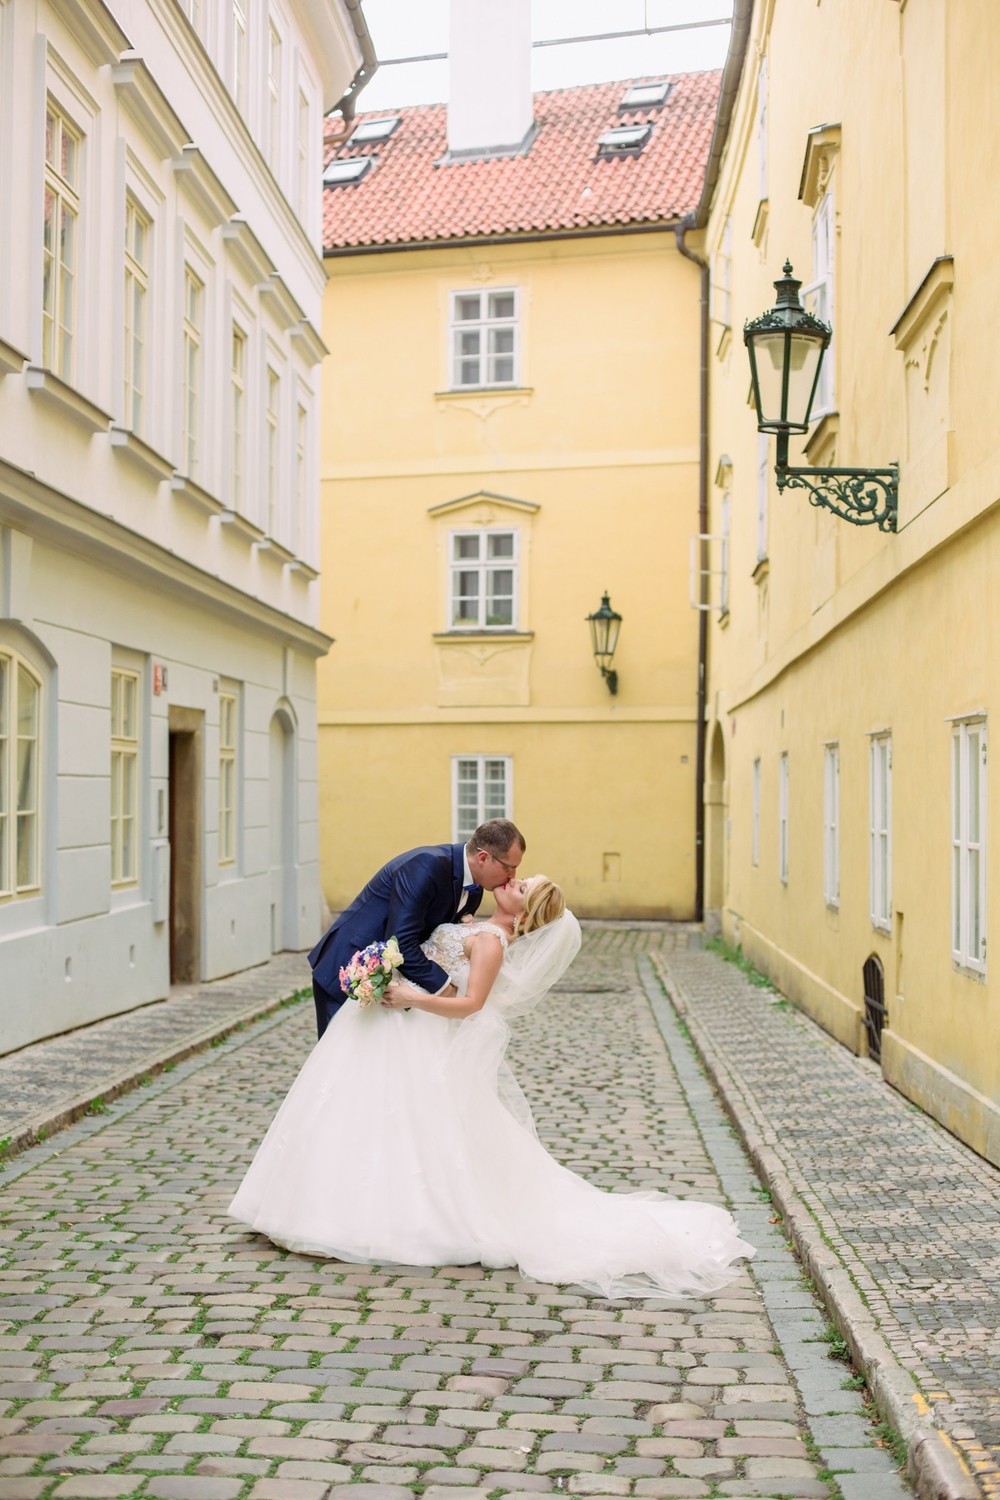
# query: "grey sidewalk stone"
{"points": [[897, 1222], [53, 1082]]}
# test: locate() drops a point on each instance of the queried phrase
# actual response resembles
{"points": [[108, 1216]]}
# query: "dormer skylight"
{"points": [[346, 169], [374, 130], [624, 140], [646, 95]]}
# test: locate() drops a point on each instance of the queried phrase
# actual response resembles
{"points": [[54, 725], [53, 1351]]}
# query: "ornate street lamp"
{"points": [[786, 347], [605, 624]]}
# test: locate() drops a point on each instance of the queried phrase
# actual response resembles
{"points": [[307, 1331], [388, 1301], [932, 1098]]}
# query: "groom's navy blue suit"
{"points": [[407, 899]]}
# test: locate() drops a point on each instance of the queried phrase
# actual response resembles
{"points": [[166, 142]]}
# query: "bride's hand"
{"points": [[398, 994]]}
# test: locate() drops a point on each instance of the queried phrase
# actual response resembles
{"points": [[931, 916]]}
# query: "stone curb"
{"points": [[934, 1468], [39, 1127]]}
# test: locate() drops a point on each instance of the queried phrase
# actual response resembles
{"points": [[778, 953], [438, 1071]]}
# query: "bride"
{"points": [[406, 1139]]}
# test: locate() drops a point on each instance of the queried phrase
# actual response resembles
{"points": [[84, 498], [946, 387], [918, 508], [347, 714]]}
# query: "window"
{"points": [[721, 300], [346, 169], [238, 378], [763, 480], [240, 55], [124, 776], [192, 9], [301, 461], [481, 789], [818, 295], [968, 845], [227, 778], [762, 129], [303, 155], [623, 140], [483, 578], [783, 817], [831, 825], [273, 98], [374, 130], [646, 95], [271, 424], [136, 297], [755, 816], [20, 725], [194, 291], [60, 242], [484, 338], [724, 554], [881, 830]]}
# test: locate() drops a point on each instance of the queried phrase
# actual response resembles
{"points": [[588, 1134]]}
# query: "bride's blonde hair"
{"points": [[543, 903]]}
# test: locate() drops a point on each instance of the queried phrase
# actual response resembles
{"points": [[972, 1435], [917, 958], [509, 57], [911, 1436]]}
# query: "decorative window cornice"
{"points": [[246, 250], [196, 178], [307, 343], [933, 291], [141, 96], [280, 303], [822, 146], [480, 497], [95, 28]]}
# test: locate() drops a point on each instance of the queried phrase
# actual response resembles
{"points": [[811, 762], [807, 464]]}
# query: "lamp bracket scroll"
{"points": [[864, 497]]}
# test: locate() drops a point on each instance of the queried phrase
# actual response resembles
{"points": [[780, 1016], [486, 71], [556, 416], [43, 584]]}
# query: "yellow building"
{"points": [[854, 672], [510, 430]]}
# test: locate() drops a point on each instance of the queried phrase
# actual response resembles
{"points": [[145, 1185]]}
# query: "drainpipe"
{"points": [[680, 231]]}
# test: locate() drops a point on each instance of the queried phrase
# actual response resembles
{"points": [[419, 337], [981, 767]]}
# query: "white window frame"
{"points": [[275, 54], [817, 297], [304, 154], [272, 450], [483, 809], [60, 275], [484, 566], [135, 330], [125, 775], [763, 488], [486, 325], [755, 814], [229, 738], [193, 308], [722, 280], [239, 36], [239, 361], [831, 824], [783, 817], [301, 471], [880, 829], [20, 802], [762, 130], [969, 844]]}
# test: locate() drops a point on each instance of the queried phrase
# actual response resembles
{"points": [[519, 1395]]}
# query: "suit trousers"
{"points": [[327, 1006]]}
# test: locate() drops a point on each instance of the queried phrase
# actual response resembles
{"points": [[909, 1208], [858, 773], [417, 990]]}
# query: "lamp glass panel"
{"points": [[769, 363], [803, 368]]}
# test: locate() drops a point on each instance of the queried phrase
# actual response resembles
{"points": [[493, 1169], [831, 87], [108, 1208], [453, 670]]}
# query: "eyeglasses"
{"points": [[511, 869]]}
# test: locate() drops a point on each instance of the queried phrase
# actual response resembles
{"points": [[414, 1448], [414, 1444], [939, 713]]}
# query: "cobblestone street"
{"points": [[149, 1346]]}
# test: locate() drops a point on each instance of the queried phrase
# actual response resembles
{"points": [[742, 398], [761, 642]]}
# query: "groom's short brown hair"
{"points": [[496, 837]]}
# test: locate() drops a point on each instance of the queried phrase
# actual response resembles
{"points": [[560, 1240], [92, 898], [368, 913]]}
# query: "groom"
{"points": [[407, 899]]}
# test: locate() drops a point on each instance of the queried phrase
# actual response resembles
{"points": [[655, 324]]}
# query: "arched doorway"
{"points": [[715, 831], [282, 826]]}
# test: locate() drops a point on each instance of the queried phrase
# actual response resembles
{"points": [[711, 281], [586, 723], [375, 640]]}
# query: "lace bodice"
{"points": [[448, 944]]}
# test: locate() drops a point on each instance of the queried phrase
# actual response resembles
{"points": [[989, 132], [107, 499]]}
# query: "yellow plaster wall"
{"points": [[845, 631], [594, 461]]}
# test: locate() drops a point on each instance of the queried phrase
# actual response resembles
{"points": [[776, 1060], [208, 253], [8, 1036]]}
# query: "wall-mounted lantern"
{"points": [[786, 347], [605, 624]]}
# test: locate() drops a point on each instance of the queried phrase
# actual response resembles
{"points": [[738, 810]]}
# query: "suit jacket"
{"points": [[406, 899]]}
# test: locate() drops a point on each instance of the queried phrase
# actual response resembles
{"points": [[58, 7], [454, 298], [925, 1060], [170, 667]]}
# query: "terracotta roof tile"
{"points": [[412, 195]]}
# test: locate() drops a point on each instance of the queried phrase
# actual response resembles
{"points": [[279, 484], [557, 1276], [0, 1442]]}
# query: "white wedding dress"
{"points": [[406, 1139]]}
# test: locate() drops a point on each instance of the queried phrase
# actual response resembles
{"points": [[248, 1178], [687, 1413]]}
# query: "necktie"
{"points": [[473, 890]]}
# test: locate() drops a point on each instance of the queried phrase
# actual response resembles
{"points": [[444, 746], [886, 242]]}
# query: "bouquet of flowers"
{"points": [[367, 975]]}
